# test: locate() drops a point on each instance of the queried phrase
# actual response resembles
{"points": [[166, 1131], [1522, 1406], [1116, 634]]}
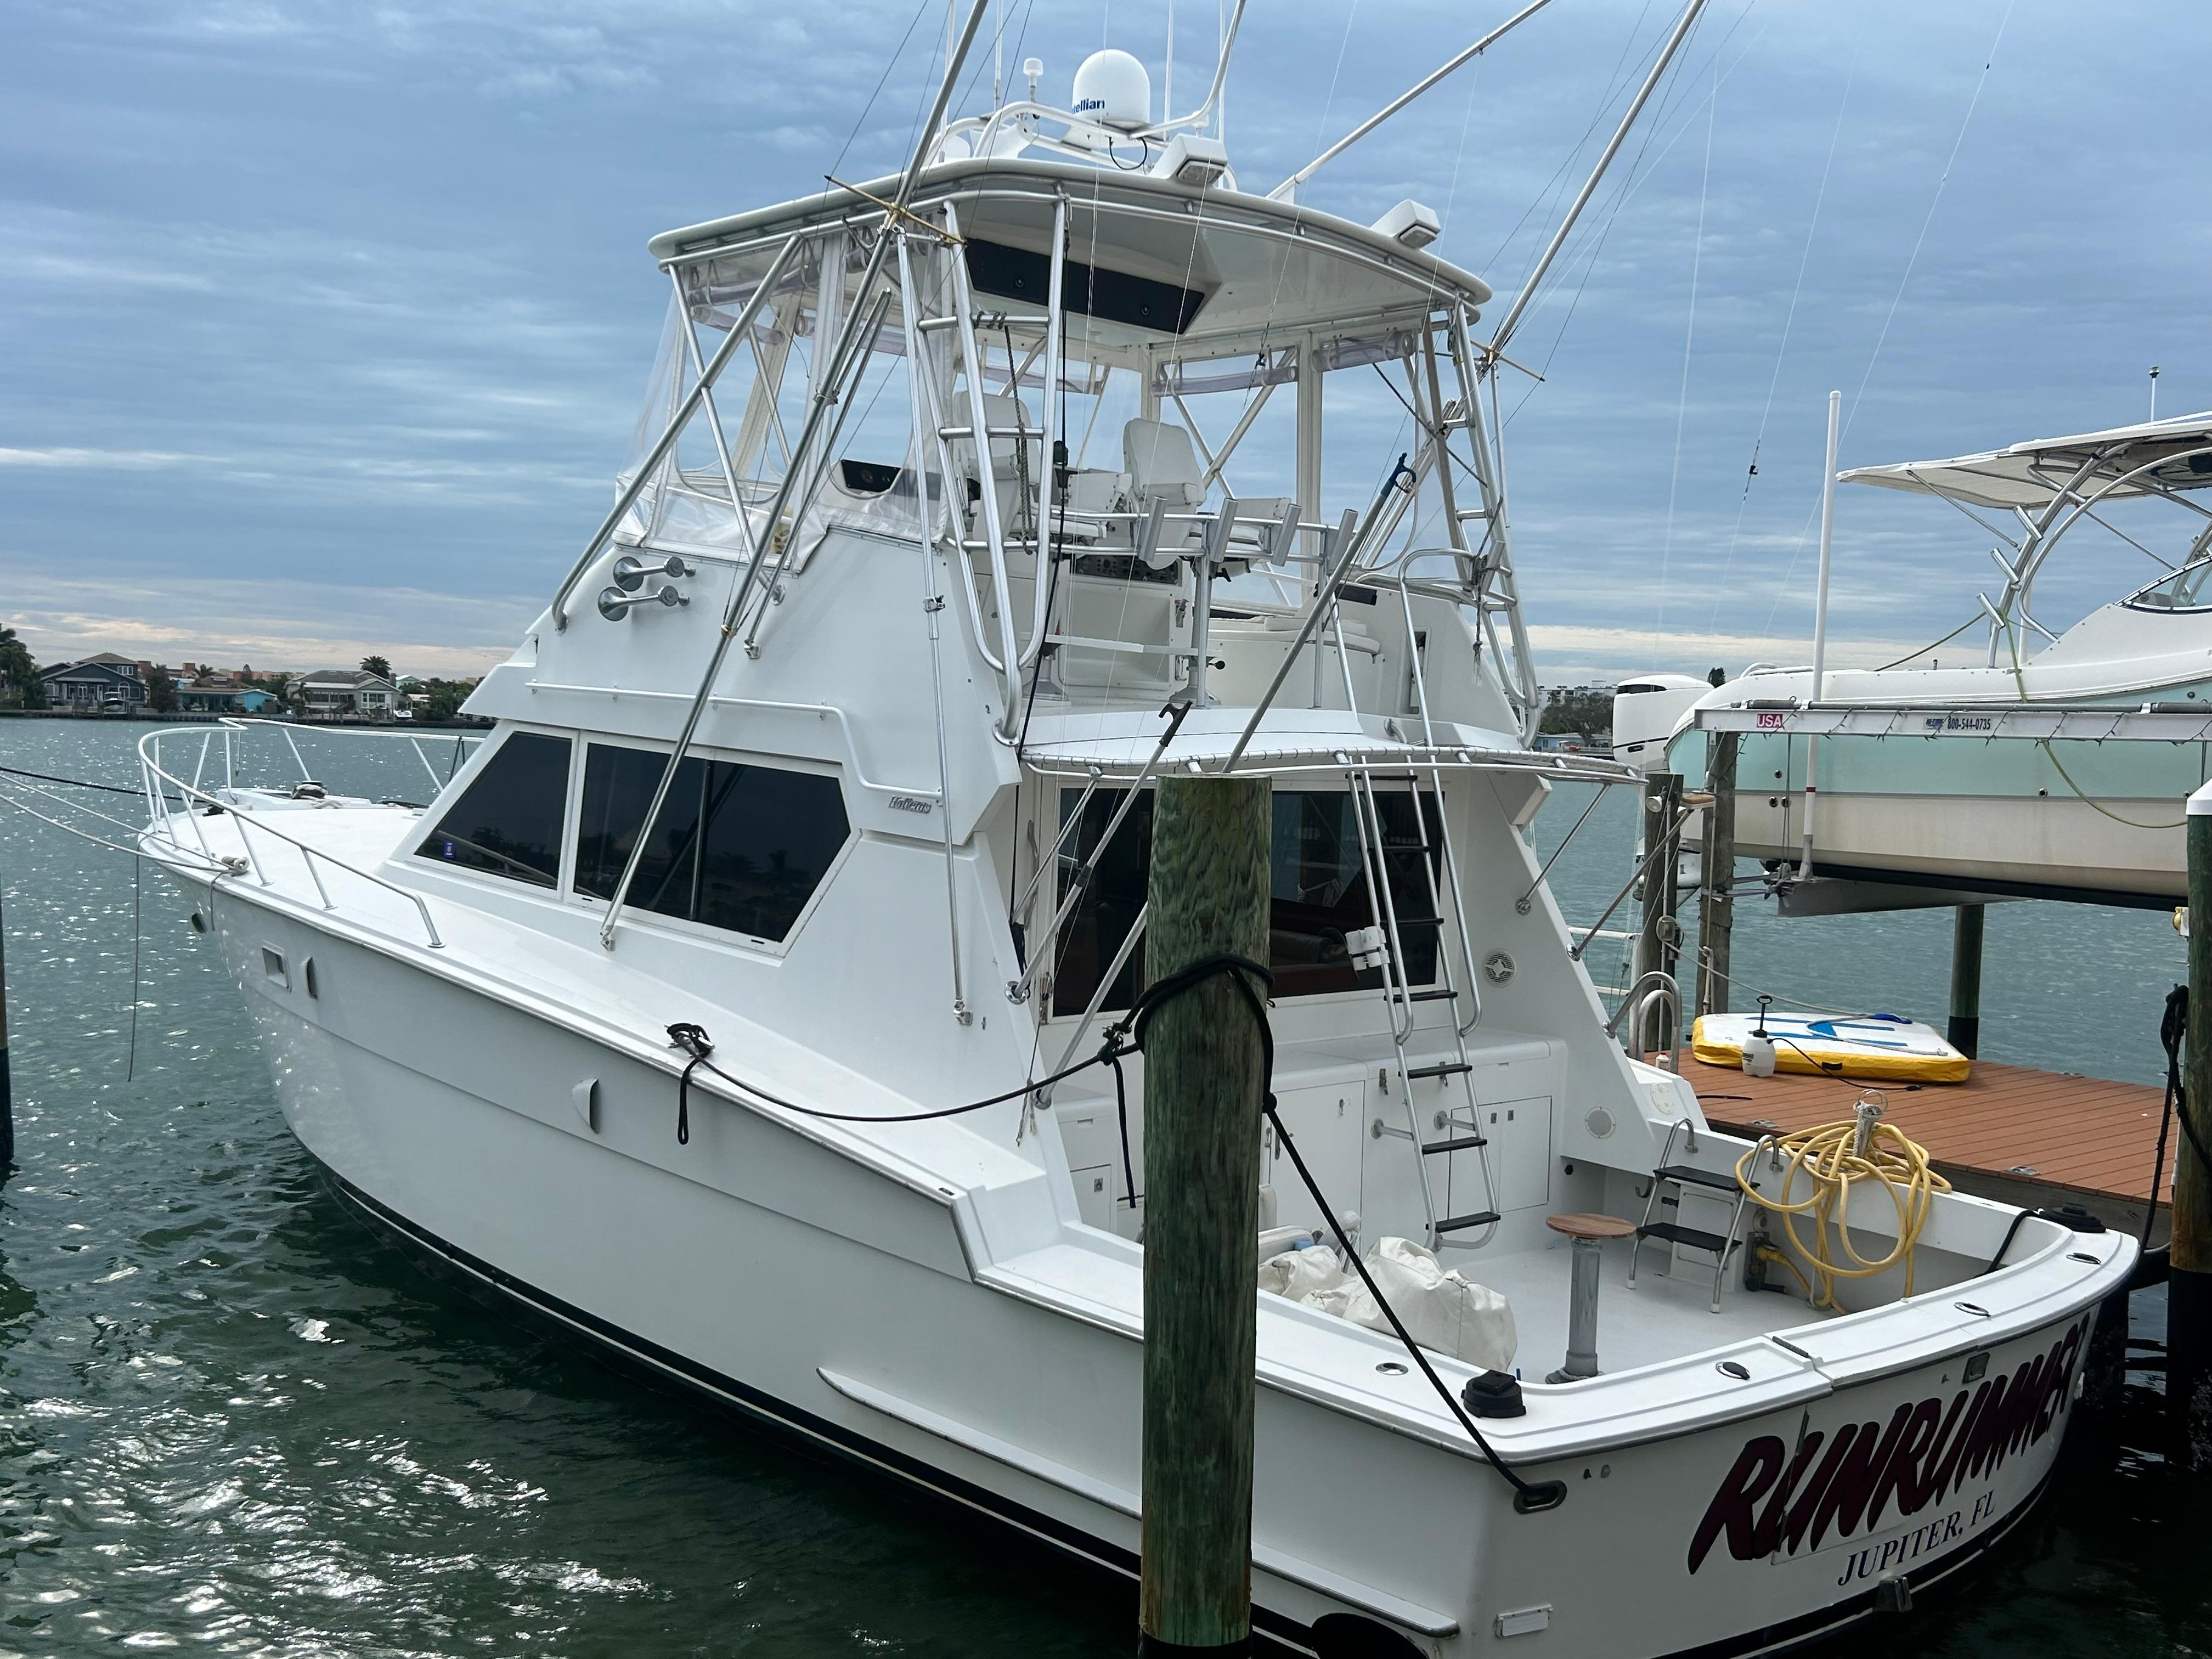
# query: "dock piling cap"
{"points": [[2200, 804]]}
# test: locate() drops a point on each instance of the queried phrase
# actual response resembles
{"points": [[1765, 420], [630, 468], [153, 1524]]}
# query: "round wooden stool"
{"points": [[1589, 1233]]}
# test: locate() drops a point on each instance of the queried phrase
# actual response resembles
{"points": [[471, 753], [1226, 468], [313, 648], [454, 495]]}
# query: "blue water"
{"points": [[233, 1421]]}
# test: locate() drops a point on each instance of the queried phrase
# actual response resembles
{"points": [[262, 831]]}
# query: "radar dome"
{"points": [[1112, 89]]}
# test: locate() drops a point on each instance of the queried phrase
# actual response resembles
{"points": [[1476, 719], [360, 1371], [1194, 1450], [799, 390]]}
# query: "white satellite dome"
{"points": [[1113, 89]]}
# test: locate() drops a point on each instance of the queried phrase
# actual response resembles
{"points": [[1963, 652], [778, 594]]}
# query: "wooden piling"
{"points": [[1717, 897], [1203, 1085], [2189, 1282], [1965, 1029]]}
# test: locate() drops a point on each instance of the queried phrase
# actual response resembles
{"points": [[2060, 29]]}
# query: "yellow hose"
{"points": [[1824, 1153]]}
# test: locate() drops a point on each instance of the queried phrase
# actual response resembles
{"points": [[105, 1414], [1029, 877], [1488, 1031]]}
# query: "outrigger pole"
{"points": [[1690, 13]]}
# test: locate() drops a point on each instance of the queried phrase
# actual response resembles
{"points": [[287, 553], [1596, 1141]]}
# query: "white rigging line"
{"points": [[1933, 202], [1592, 239], [1616, 82], [1689, 339], [1790, 570], [1789, 321]]}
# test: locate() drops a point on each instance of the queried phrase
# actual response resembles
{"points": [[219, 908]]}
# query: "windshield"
{"points": [[2189, 588]]}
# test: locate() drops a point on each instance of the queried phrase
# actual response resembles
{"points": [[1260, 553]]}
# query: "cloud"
{"points": [[273, 622], [129, 461], [312, 289]]}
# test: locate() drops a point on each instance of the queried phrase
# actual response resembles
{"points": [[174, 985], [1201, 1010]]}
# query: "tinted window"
{"points": [[1317, 883], [737, 847], [1320, 890], [509, 821]]}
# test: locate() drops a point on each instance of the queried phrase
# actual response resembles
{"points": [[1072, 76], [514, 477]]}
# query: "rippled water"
{"points": [[233, 1421]]}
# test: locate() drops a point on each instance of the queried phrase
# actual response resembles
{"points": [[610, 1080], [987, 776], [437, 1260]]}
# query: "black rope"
{"points": [[2172, 1029], [692, 1041], [74, 783], [1126, 1037]]}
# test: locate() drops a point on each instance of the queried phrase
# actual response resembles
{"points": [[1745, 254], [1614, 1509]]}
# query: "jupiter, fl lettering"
{"points": [[1878, 1559], [1776, 1501]]}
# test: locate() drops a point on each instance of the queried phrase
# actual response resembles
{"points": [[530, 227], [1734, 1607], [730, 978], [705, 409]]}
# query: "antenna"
{"points": [[1167, 81], [1170, 121], [2153, 391]]}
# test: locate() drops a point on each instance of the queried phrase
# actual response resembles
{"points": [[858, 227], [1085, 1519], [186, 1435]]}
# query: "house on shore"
{"points": [[217, 697], [106, 683], [331, 694]]}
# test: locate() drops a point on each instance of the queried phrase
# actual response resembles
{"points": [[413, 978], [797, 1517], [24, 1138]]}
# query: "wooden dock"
{"points": [[2008, 1132]]}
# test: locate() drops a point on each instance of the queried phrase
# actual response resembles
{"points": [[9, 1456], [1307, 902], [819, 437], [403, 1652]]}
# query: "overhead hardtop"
{"points": [[2152, 458], [1201, 264]]}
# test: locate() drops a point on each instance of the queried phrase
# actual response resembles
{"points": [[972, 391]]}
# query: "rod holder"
{"points": [[631, 571], [615, 605]]}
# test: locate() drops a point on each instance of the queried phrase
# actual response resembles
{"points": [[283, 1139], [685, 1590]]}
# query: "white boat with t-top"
{"points": [[833, 750], [2034, 764]]}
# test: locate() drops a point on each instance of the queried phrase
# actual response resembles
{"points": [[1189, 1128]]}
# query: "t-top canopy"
{"points": [[1227, 270], [2177, 452]]}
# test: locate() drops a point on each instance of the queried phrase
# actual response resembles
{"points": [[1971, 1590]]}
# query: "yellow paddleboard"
{"points": [[1878, 1046]]}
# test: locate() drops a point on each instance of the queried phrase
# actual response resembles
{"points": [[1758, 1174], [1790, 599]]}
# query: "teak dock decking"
{"points": [[2009, 1132]]}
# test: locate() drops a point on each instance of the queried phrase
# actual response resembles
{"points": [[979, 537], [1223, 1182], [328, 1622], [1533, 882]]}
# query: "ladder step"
{"points": [[1465, 1143], [1460, 1223], [1448, 1068], [1696, 1237], [1420, 922], [1682, 1172], [1441, 994]]}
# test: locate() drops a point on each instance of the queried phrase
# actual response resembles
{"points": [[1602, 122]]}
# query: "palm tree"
{"points": [[381, 666], [19, 675]]}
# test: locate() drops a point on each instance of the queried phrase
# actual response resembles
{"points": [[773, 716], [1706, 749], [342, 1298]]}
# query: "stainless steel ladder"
{"points": [[1400, 997], [964, 452], [1681, 1176]]}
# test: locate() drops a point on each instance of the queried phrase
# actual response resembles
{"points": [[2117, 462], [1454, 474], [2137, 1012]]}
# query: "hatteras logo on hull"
{"points": [[1774, 1502]]}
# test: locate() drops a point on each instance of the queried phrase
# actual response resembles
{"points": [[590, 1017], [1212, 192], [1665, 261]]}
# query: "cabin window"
{"points": [[2189, 588], [508, 821], [740, 846], [1318, 891]]}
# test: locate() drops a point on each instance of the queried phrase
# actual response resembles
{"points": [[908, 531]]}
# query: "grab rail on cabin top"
{"points": [[159, 780]]}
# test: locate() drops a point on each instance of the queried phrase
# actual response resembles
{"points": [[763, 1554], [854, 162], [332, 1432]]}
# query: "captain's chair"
{"points": [[1161, 464]]}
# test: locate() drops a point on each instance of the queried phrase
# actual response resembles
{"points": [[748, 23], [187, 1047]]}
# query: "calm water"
{"points": [[234, 1421]]}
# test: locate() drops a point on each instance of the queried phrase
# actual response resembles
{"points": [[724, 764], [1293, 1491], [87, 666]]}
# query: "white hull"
{"points": [[2038, 847], [771, 1270]]}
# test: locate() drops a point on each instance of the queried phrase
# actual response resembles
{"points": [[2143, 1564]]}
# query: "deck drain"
{"points": [[1391, 1368], [1974, 1307], [1734, 1369]]}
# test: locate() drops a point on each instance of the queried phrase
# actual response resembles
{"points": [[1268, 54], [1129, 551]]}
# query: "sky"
{"points": [[324, 323]]}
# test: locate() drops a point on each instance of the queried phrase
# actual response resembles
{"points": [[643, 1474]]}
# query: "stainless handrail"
{"points": [[159, 823], [1655, 982], [700, 391]]}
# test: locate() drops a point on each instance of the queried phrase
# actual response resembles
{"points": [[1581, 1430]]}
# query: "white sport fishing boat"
{"points": [[2020, 778], [833, 748]]}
